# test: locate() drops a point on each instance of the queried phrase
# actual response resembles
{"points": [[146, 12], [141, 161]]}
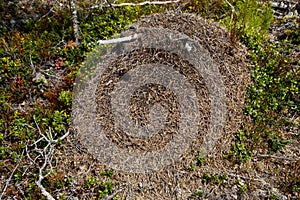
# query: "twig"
{"points": [[50, 138], [45, 15], [12, 173], [46, 154], [47, 160], [113, 194], [277, 157], [248, 178], [31, 64], [209, 169], [136, 4], [116, 40], [232, 10]]}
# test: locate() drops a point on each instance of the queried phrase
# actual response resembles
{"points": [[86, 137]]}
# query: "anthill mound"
{"points": [[176, 180]]}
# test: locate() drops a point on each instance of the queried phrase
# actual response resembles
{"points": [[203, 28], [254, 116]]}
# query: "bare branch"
{"points": [[47, 160], [233, 11], [136, 4], [116, 40], [12, 173], [276, 157], [75, 21], [45, 154], [247, 178], [113, 194]]}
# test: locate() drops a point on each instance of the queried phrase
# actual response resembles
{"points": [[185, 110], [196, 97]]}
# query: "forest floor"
{"points": [[41, 155]]}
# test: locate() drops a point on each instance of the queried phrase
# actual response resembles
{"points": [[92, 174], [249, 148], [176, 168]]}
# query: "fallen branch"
{"points": [[276, 157], [135, 4], [116, 40]]}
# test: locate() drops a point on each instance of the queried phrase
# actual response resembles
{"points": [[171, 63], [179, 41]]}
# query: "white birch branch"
{"points": [[116, 40], [75, 22]]}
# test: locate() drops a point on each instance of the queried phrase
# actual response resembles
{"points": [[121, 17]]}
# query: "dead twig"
{"points": [[9, 179], [247, 178], [113, 194], [116, 40], [45, 154], [47, 161], [135, 4], [233, 11], [276, 157]]}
